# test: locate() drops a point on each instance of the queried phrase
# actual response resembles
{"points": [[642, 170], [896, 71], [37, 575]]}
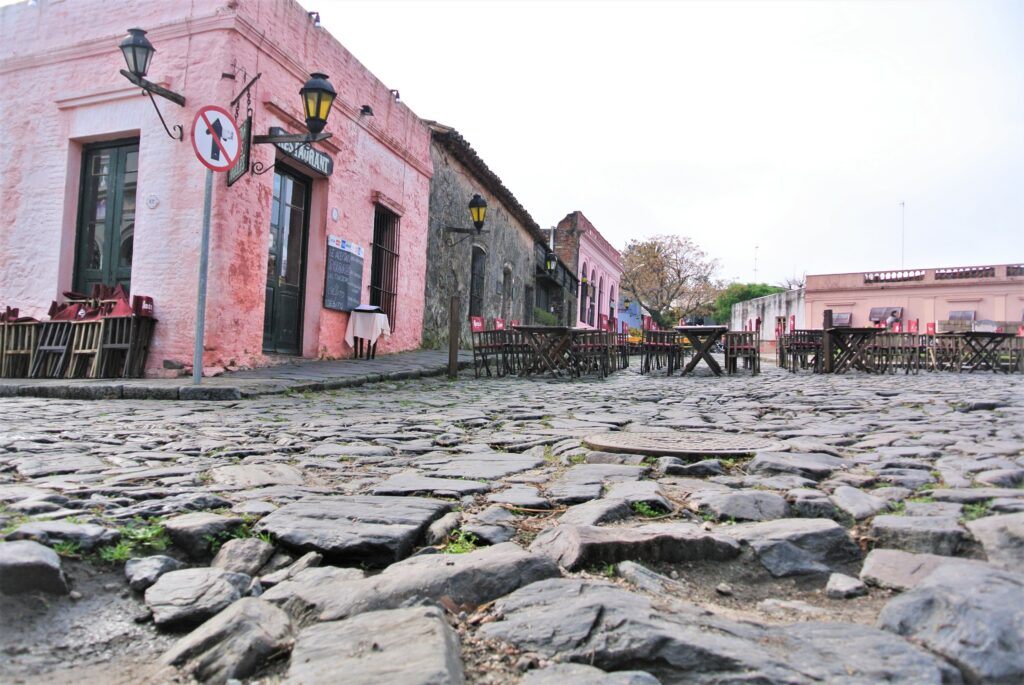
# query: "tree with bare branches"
{"points": [[670, 276]]}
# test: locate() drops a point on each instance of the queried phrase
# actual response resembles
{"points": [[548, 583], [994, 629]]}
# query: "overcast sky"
{"points": [[798, 127]]}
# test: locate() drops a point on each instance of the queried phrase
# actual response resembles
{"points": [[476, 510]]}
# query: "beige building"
{"points": [[958, 294]]}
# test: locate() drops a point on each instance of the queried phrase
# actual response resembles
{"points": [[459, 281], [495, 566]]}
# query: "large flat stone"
{"points": [[741, 505], [466, 579], [813, 465], [857, 503], [1002, 538], [398, 647], [581, 674], [788, 547], [969, 615], [413, 483], [477, 465], [232, 644], [196, 533], [606, 626], [192, 595], [27, 566], [894, 569], [577, 547], [356, 529], [38, 465], [925, 534], [88, 536], [255, 475], [585, 481]]}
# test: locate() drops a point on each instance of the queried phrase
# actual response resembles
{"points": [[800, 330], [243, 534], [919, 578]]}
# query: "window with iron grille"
{"points": [[384, 267]]}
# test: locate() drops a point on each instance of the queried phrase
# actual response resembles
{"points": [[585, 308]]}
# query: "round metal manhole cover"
{"points": [[680, 443]]}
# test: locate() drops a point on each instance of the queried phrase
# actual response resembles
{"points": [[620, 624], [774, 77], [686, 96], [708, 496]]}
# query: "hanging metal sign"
{"points": [[241, 166], [305, 153]]}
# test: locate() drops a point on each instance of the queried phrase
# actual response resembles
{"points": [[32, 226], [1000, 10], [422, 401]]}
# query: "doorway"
{"points": [[289, 229], [105, 237]]}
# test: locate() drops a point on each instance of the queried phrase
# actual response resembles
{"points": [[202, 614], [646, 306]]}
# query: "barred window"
{"points": [[384, 267]]}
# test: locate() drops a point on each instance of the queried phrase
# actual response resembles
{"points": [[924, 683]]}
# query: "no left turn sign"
{"points": [[215, 138]]}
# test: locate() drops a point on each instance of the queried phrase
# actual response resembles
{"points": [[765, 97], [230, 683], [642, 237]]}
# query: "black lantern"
{"points": [[626, 302], [138, 52], [317, 97], [583, 287], [551, 261], [478, 212]]}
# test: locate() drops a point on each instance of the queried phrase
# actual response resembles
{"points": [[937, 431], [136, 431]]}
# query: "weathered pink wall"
{"points": [[61, 88], [999, 297]]}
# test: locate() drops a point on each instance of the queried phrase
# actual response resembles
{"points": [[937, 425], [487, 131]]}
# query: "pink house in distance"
{"points": [[598, 266], [95, 189]]}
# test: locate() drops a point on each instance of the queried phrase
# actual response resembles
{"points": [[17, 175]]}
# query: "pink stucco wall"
{"points": [[61, 89], [994, 293], [602, 265]]}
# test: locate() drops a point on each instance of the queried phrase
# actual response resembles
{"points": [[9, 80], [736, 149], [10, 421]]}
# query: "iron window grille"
{"points": [[384, 268]]}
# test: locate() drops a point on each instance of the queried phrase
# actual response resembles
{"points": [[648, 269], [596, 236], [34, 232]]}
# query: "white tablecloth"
{"points": [[368, 326]]}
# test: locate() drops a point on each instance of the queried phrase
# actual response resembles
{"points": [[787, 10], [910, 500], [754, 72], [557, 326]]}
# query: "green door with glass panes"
{"points": [[106, 216]]}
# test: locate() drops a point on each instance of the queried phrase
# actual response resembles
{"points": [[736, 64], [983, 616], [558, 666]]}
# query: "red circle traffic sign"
{"points": [[215, 138]]}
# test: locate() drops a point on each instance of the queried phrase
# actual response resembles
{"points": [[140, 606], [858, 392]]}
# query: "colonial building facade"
{"points": [[97, 191], [500, 272]]}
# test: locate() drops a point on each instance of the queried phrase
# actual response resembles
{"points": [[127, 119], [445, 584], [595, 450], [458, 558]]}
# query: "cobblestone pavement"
{"points": [[426, 531]]}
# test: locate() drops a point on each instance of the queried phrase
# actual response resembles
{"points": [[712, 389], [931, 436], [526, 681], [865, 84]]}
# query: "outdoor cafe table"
{"points": [[850, 348], [703, 338], [981, 350], [551, 347]]}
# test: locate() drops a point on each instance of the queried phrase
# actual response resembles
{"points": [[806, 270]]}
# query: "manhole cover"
{"points": [[675, 443]]}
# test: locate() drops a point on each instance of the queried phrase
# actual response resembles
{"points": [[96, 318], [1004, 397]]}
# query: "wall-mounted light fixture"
{"points": [[477, 213], [317, 97], [138, 53], [550, 262], [366, 111]]}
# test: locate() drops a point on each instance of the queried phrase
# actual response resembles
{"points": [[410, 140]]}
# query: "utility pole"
{"points": [[903, 228]]}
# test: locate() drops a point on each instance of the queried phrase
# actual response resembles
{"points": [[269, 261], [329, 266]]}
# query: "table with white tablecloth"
{"points": [[365, 327]]}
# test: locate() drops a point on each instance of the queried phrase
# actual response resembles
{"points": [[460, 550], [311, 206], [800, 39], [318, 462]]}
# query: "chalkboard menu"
{"points": [[344, 278]]}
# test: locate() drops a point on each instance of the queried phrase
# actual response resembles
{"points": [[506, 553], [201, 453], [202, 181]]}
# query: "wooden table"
{"points": [[702, 338], [851, 347], [550, 346], [981, 350]]}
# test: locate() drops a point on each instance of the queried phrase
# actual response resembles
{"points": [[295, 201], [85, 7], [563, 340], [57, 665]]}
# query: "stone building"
{"points": [[498, 273], [95, 189], [775, 314], [598, 266]]}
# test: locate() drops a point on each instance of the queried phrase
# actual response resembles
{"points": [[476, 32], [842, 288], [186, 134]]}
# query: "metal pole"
{"points": [[454, 332], [204, 258], [826, 342]]}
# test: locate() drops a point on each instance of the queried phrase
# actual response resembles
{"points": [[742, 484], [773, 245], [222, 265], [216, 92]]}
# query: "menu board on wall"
{"points": [[343, 284]]}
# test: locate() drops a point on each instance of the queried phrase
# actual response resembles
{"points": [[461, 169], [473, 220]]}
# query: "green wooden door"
{"points": [[282, 318], [106, 218]]}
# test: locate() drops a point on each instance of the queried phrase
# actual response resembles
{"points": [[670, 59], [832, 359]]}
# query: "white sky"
{"points": [[795, 126]]}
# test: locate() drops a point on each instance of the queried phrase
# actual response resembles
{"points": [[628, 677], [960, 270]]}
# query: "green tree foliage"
{"points": [[740, 292]]}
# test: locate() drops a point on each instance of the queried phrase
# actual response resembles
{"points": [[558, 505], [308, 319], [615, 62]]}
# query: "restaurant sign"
{"points": [[304, 153]]}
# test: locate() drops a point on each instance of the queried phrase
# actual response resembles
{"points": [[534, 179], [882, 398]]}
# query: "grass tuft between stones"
{"points": [[460, 542]]}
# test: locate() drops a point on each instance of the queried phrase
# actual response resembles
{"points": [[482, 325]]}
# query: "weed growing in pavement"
{"points": [[646, 510], [13, 523], [897, 508], [549, 454], [122, 551], [923, 499], [976, 511], [67, 548], [577, 459], [460, 542]]}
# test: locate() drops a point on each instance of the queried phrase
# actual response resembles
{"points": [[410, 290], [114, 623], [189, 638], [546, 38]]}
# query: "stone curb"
{"points": [[213, 393]]}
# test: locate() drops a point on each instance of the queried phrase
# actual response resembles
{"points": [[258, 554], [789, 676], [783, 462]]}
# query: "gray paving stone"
{"points": [[925, 534], [27, 566]]}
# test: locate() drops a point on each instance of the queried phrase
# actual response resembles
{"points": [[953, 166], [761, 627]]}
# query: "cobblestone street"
{"points": [[429, 531]]}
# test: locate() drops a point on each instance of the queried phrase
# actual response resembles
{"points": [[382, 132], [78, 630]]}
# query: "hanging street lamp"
{"points": [[478, 212], [583, 287], [138, 54], [551, 261], [317, 97], [626, 302]]}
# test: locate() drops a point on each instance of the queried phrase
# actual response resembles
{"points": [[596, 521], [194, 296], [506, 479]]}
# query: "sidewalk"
{"points": [[299, 376]]}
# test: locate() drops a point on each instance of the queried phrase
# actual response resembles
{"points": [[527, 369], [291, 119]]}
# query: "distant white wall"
{"points": [[766, 309]]}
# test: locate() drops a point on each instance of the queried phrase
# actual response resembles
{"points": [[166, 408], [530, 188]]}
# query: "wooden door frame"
{"points": [[288, 170]]}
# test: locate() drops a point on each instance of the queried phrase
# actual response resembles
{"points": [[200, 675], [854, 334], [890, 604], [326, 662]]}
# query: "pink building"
{"points": [[598, 266], [922, 296], [95, 190]]}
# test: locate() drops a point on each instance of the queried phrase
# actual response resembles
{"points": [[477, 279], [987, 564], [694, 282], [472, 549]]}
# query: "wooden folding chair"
{"points": [[85, 348], [19, 346], [54, 349]]}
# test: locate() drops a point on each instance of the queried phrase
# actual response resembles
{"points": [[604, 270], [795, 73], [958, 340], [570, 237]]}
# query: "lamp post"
{"points": [[478, 214], [138, 54]]}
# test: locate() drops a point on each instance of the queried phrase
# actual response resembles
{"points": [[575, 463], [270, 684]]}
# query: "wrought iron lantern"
{"points": [[583, 286], [478, 212], [626, 302], [317, 97], [550, 262], [138, 52]]}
